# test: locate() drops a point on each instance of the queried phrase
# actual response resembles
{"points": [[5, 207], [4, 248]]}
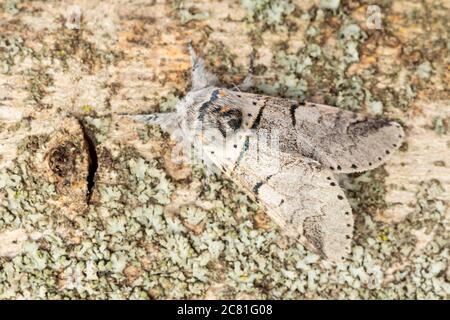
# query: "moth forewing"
{"points": [[344, 141], [268, 152]]}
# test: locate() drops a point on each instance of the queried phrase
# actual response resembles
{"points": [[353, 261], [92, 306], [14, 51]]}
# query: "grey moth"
{"points": [[286, 155]]}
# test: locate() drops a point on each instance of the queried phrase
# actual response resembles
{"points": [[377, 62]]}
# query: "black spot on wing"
{"points": [[241, 154], [258, 118], [292, 112], [256, 187]]}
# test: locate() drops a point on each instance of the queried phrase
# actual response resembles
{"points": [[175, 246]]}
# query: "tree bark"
{"points": [[91, 204]]}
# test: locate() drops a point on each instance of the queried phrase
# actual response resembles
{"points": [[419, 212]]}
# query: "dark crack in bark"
{"points": [[93, 160]]}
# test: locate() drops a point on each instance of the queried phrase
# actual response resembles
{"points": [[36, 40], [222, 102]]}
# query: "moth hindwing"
{"points": [[285, 154]]}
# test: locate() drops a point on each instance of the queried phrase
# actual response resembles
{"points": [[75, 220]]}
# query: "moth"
{"points": [[286, 155]]}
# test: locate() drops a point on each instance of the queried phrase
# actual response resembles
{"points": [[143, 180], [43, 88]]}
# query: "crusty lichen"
{"points": [[148, 232], [270, 13]]}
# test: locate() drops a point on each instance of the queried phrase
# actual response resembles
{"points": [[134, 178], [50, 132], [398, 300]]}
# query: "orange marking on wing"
{"points": [[225, 108]]}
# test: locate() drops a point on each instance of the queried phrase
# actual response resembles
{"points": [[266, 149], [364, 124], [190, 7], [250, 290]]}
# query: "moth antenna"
{"points": [[192, 54], [251, 61], [201, 76], [247, 83]]}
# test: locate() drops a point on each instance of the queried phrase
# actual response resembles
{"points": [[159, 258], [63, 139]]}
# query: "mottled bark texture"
{"points": [[92, 205]]}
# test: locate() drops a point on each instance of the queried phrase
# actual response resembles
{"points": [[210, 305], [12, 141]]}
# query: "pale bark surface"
{"points": [[91, 204]]}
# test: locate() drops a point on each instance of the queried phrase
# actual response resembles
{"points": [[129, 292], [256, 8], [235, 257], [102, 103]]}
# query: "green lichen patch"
{"points": [[12, 7], [222, 59], [98, 127], [71, 44], [38, 81], [187, 12], [368, 191], [169, 101], [12, 51], [440, 125], [318, 68], [270, 14]]}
